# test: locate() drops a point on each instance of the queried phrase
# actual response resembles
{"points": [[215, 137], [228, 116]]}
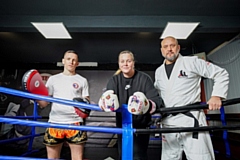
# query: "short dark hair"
{"points": [[70, 51]]}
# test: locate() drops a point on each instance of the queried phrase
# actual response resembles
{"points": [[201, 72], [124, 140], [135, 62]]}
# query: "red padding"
{"points": [[32, 82]]}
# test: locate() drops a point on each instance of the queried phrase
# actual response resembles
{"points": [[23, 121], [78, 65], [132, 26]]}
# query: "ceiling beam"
{"points": [[226, 24]]}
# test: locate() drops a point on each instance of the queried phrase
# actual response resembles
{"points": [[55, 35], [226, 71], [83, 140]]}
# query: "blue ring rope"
{"points": [[62, 126], [49, 99]]}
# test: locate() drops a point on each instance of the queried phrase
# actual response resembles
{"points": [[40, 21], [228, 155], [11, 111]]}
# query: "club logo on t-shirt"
{"points": [[75, 85]]}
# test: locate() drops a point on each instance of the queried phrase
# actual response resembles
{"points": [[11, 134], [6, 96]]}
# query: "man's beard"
{"points": [[172, 58]]}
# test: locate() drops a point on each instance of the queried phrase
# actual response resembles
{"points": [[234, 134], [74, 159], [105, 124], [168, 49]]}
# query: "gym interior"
{"points": [[100, 31]]}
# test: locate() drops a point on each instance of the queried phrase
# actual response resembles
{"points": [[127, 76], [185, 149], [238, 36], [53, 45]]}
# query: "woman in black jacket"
{"points": [[136, 89]]}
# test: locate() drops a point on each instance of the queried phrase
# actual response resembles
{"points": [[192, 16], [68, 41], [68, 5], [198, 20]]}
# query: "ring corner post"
{"points": [[225, 132], [127, 134]]}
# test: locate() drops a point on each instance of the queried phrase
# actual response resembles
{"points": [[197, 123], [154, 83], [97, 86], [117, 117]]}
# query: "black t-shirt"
{"points": [[125, 87], [169, 68]]}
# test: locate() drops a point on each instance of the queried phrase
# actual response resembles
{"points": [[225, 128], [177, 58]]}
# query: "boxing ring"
{"points": [[127, 130]]}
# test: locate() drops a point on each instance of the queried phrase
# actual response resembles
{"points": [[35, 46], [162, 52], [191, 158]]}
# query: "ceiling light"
{"points": [[82, 64], [179, 30], [52, 30]]}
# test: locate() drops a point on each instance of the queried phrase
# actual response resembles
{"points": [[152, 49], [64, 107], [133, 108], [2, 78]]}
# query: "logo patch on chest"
{"points": [[182, 74], [75, 85]]}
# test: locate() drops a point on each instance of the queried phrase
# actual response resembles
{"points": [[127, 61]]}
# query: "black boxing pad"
{"points": [[32, 82], [82, 112]]}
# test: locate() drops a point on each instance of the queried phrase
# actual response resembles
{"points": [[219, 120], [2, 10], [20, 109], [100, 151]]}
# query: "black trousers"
{"points": [[140, 146]]}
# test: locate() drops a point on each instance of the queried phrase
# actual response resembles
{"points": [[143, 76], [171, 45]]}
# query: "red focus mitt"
{"points": [[33, 83], [82, 112]]}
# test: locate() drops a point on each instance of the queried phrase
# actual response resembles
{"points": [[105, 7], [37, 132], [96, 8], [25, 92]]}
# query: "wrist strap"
{"points": [[153, 107]]}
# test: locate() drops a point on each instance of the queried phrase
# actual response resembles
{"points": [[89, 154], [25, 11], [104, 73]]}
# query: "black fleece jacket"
{"points": [[125, 87]]}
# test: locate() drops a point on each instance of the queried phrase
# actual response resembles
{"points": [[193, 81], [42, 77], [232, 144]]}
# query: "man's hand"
{"points": [[214, 103]]}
